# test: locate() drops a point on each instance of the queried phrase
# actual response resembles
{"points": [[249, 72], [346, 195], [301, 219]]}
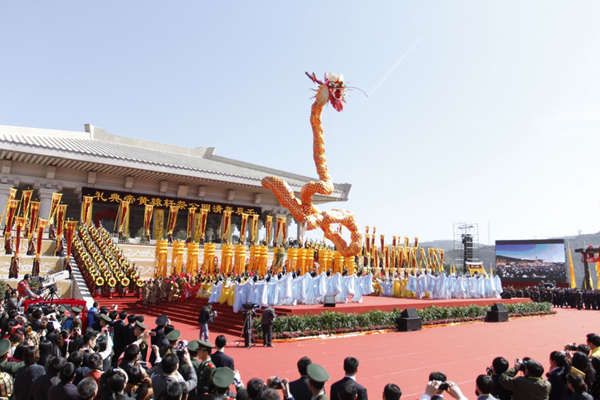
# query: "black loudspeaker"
{"points": [[409, 320], [329, 301], [498, 307], [409, 313], [498, 314]]}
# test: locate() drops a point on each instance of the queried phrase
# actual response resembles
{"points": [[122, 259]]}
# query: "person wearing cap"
{"points": [[139, 331], [75, 311], [10, 367], [157, 334], [205, 368], [317, 376], [192, 348], [222, 379], [104, 322], [24, 289], [172, 337]]}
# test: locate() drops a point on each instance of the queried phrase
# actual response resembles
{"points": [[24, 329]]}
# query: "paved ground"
{"points": [[407, 358]]}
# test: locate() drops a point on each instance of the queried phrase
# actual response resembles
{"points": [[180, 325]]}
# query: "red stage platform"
{"points": [[228, 322]]}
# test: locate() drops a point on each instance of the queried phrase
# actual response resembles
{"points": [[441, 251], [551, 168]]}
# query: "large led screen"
{"points": [[531, 260]]}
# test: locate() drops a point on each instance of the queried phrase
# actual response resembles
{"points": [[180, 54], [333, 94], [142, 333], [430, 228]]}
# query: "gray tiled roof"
{"points": [[104, 148]]}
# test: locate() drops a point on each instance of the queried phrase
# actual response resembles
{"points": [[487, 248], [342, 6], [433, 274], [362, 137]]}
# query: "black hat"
{"points": [[162, 320]]}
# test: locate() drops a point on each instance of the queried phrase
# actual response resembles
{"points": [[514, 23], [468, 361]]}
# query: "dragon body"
{"points": [[331, 90]]}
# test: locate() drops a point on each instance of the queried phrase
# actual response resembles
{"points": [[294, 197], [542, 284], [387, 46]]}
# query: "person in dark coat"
{"points": [[157, 335], [219, 358], [299, 388], [129, 330], [27, 374], [557, 376], [65, 390], [350, 369], [268, 317], [118, 343], [39, 390]]}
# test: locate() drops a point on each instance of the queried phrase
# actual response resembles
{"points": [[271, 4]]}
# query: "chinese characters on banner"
{"points": [[164, 202]]}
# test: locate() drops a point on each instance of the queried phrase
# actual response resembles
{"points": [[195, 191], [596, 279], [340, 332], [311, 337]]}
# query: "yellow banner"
{"points": [[571, 270], [35, 213], [86, 210], [54, 203], [159, 224], [190, 221]]}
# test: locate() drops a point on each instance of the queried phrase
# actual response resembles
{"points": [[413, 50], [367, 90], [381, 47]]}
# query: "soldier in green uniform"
{"points": [[172, 337], [10, 367], [317, 376], [138, 331], [205, 369], [222, 378]]}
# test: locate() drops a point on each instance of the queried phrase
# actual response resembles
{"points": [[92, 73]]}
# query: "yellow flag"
{"points": [[598, 274], [573, 283]]}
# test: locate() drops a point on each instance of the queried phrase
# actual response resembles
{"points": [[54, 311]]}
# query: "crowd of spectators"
{"points": [[56, 353]]}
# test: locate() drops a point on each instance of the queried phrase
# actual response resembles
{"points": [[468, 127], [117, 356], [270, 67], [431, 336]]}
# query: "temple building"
{"points": [[112, 168]]}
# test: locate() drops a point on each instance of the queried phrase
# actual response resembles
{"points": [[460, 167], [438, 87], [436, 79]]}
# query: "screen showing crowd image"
{"points": [[531, 260]]}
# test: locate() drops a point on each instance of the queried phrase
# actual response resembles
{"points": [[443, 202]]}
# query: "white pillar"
{"points": [[45, 202]]}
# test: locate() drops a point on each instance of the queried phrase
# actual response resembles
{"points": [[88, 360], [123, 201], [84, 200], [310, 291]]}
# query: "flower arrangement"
{"points": [[334, 323]]}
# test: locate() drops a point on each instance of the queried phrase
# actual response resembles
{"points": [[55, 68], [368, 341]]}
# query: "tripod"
{"points": [[51, 295], [247, 330]]}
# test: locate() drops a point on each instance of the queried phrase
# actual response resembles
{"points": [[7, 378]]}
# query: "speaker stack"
{"points": [[408, 320], [329, 301], [498, 314]]}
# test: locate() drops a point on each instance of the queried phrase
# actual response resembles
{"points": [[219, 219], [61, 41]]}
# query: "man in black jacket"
{"points": [[299, 388], [118, 329], [350, 369], [219, 358], [268, 317]]}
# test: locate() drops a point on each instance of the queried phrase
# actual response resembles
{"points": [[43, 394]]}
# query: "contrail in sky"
{"points": [[398, 62]]}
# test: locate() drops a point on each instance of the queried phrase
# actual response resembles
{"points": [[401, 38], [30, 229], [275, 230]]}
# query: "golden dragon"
{"points": [[331, 90]]}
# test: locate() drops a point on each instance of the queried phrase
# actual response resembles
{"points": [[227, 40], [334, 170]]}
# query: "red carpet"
{"points": [[407, 358]]}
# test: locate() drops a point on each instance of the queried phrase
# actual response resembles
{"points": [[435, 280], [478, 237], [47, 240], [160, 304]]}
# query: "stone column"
{"points": [[45, 202], [4, 191]]}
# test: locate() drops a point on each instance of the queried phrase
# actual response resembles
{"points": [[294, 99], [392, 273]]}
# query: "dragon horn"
{"points": [[313, 78]]}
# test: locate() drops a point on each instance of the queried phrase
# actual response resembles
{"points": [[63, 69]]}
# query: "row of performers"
{"points": [[440, 286], [277, 290]]}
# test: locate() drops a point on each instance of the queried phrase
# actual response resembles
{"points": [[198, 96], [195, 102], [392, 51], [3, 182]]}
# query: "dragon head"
{"points": [[332, 89]]}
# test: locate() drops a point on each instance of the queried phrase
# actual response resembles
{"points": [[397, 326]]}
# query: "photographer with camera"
{"points": [[499, 366], [170, 365], [24, 289], [435, 388], [207, 316], [531, 386]]}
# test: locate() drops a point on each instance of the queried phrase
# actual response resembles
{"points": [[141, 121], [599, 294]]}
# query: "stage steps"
{"points": [[186, 312]]}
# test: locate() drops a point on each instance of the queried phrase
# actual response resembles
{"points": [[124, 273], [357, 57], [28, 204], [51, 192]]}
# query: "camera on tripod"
{"points": [[248, 307]]}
